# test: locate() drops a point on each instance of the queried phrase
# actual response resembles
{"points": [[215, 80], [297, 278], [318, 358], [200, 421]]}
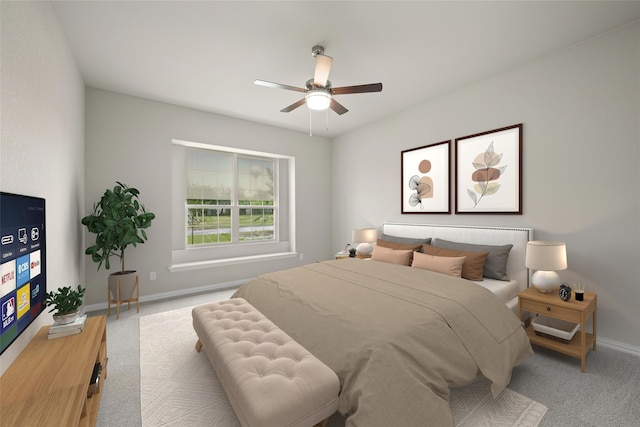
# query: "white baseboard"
{"points": [[177, 294], [620, 346]]}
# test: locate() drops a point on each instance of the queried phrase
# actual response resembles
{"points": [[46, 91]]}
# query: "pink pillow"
{"points": [[451, 266], [395, 256], [473, 266]]}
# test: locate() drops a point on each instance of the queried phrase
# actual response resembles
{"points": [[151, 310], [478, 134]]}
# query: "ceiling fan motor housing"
{"points": [[311, 86]]}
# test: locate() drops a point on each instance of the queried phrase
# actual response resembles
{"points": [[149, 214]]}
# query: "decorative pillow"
{"points": [[405, 240], [495, 266], [473, 266], [394, 245], [451, 266], [395, 256]]}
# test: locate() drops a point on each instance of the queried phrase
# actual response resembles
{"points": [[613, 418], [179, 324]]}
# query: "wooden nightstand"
{"points": [[551, 305], [346, 256]]}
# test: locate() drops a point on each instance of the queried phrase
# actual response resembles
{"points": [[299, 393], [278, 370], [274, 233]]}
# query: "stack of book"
{"points": [[57, 331]]}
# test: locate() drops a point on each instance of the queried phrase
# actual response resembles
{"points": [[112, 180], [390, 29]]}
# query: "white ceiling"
{"points": [[206, 54]]}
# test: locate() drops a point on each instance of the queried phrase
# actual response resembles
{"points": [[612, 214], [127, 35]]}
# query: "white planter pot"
{"points": [[122, 285], [63, 319]]}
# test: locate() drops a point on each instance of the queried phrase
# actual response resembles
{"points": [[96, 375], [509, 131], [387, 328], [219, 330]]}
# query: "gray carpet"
{"points": [[608, 394]]}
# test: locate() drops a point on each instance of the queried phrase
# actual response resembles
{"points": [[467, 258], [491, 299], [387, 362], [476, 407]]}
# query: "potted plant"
{"points": [[67, 302], [118, 220]]}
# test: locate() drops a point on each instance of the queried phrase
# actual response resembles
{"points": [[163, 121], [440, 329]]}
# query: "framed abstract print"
{"points": [[489, 172], [426, 179]]}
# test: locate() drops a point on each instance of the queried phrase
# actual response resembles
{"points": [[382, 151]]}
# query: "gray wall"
{"points": [[41, 151], [128, 139], [581, 112]]}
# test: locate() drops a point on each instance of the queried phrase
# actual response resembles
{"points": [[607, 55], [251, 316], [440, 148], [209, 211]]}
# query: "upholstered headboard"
{"points": [[518, 237]]}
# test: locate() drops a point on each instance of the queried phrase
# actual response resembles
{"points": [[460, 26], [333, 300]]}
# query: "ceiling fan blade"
{"points": [[292, 106], [278, 86], [323, 66], [337, 107], [372, 87]]}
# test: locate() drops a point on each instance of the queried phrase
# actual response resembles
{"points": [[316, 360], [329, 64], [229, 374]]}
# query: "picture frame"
{"points": [[426, 179], [489, 172]]}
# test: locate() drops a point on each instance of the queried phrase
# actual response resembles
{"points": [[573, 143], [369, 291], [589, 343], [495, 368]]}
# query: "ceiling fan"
{"points": [[319, 92]]}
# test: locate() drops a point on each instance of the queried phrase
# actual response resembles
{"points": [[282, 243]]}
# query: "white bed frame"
{"points": [[518, 237]]}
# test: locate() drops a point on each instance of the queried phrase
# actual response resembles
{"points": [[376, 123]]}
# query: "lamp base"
{"points": [[364, 249], [545, 282]]}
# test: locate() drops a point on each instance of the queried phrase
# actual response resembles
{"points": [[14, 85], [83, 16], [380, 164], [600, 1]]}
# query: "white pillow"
{"points": [[451, 266]]}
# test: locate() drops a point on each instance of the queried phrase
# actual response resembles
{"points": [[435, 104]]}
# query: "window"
{"points": [[231, 198], [230, 205]]}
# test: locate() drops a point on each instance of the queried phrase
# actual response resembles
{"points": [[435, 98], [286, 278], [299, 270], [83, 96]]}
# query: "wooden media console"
{"points": [[47, 384]]}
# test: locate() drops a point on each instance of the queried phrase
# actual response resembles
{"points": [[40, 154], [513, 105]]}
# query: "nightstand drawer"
{"points": [[556, 311]]}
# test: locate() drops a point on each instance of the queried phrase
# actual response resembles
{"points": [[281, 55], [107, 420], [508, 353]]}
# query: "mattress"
{"points": [[504, 290]]}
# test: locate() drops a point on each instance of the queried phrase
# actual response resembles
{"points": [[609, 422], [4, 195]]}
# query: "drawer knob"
{"points": [[548, 308]]}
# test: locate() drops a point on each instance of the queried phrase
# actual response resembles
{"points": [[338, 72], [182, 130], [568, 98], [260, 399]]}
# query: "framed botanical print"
{"points": [[426, 179], [489, 172]]}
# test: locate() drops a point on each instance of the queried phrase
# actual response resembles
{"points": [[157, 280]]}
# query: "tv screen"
{"points": [[22, 264]]}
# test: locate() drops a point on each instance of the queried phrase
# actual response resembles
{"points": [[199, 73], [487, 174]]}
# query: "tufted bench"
{"points": [[270, 379]]}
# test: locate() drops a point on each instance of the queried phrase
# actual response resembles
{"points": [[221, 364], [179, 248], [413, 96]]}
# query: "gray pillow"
{"points": [[405, 240], [495, 267]]}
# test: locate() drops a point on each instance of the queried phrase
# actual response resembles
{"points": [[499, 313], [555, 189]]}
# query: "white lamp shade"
{"points": [[548, 256], [545, 258], [364, 236], [318, 100]]}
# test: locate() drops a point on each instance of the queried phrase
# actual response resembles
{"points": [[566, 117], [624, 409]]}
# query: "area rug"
{"points": [[179, 388]]}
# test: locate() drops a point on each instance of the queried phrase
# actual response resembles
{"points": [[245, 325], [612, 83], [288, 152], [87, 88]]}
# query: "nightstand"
{"points": [[346, 256], [579, 312]]}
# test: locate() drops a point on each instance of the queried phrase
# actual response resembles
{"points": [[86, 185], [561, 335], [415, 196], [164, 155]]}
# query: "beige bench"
{"points": [[270, 379]]}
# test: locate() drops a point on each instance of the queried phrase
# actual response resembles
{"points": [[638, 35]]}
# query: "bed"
{"points": [[518, 274], [399, 337]]}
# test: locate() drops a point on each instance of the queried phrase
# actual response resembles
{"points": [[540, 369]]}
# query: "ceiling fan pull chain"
{"points": [[327, 119]]}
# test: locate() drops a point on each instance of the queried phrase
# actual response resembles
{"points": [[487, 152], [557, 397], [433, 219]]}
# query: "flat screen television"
{"points": [[22, 264]]}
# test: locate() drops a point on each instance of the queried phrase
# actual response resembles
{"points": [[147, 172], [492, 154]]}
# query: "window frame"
{"points": [[234, 206], [184, 257]]}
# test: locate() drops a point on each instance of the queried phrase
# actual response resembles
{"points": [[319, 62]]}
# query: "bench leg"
{"points": [[322, 423], [199, 347]]}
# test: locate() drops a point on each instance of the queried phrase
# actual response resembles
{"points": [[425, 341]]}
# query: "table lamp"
{"points": [[364, 236], [546, 257]]}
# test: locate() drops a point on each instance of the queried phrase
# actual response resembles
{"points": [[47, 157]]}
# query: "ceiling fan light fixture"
{"points": [[318, 90], [318, 100]]}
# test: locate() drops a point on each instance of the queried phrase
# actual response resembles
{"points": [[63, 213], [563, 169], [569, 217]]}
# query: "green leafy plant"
{"points": [[118, 220], [65, 300]]}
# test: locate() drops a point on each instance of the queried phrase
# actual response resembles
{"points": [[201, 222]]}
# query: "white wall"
{"points": [[41, 151], [128, 139], [580, 109]]}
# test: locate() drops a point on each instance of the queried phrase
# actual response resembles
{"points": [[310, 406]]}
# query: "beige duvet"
{"points": [[398, 337]]}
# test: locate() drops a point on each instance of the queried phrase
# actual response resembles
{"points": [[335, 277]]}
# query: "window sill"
{"points": [[186, 266]]}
